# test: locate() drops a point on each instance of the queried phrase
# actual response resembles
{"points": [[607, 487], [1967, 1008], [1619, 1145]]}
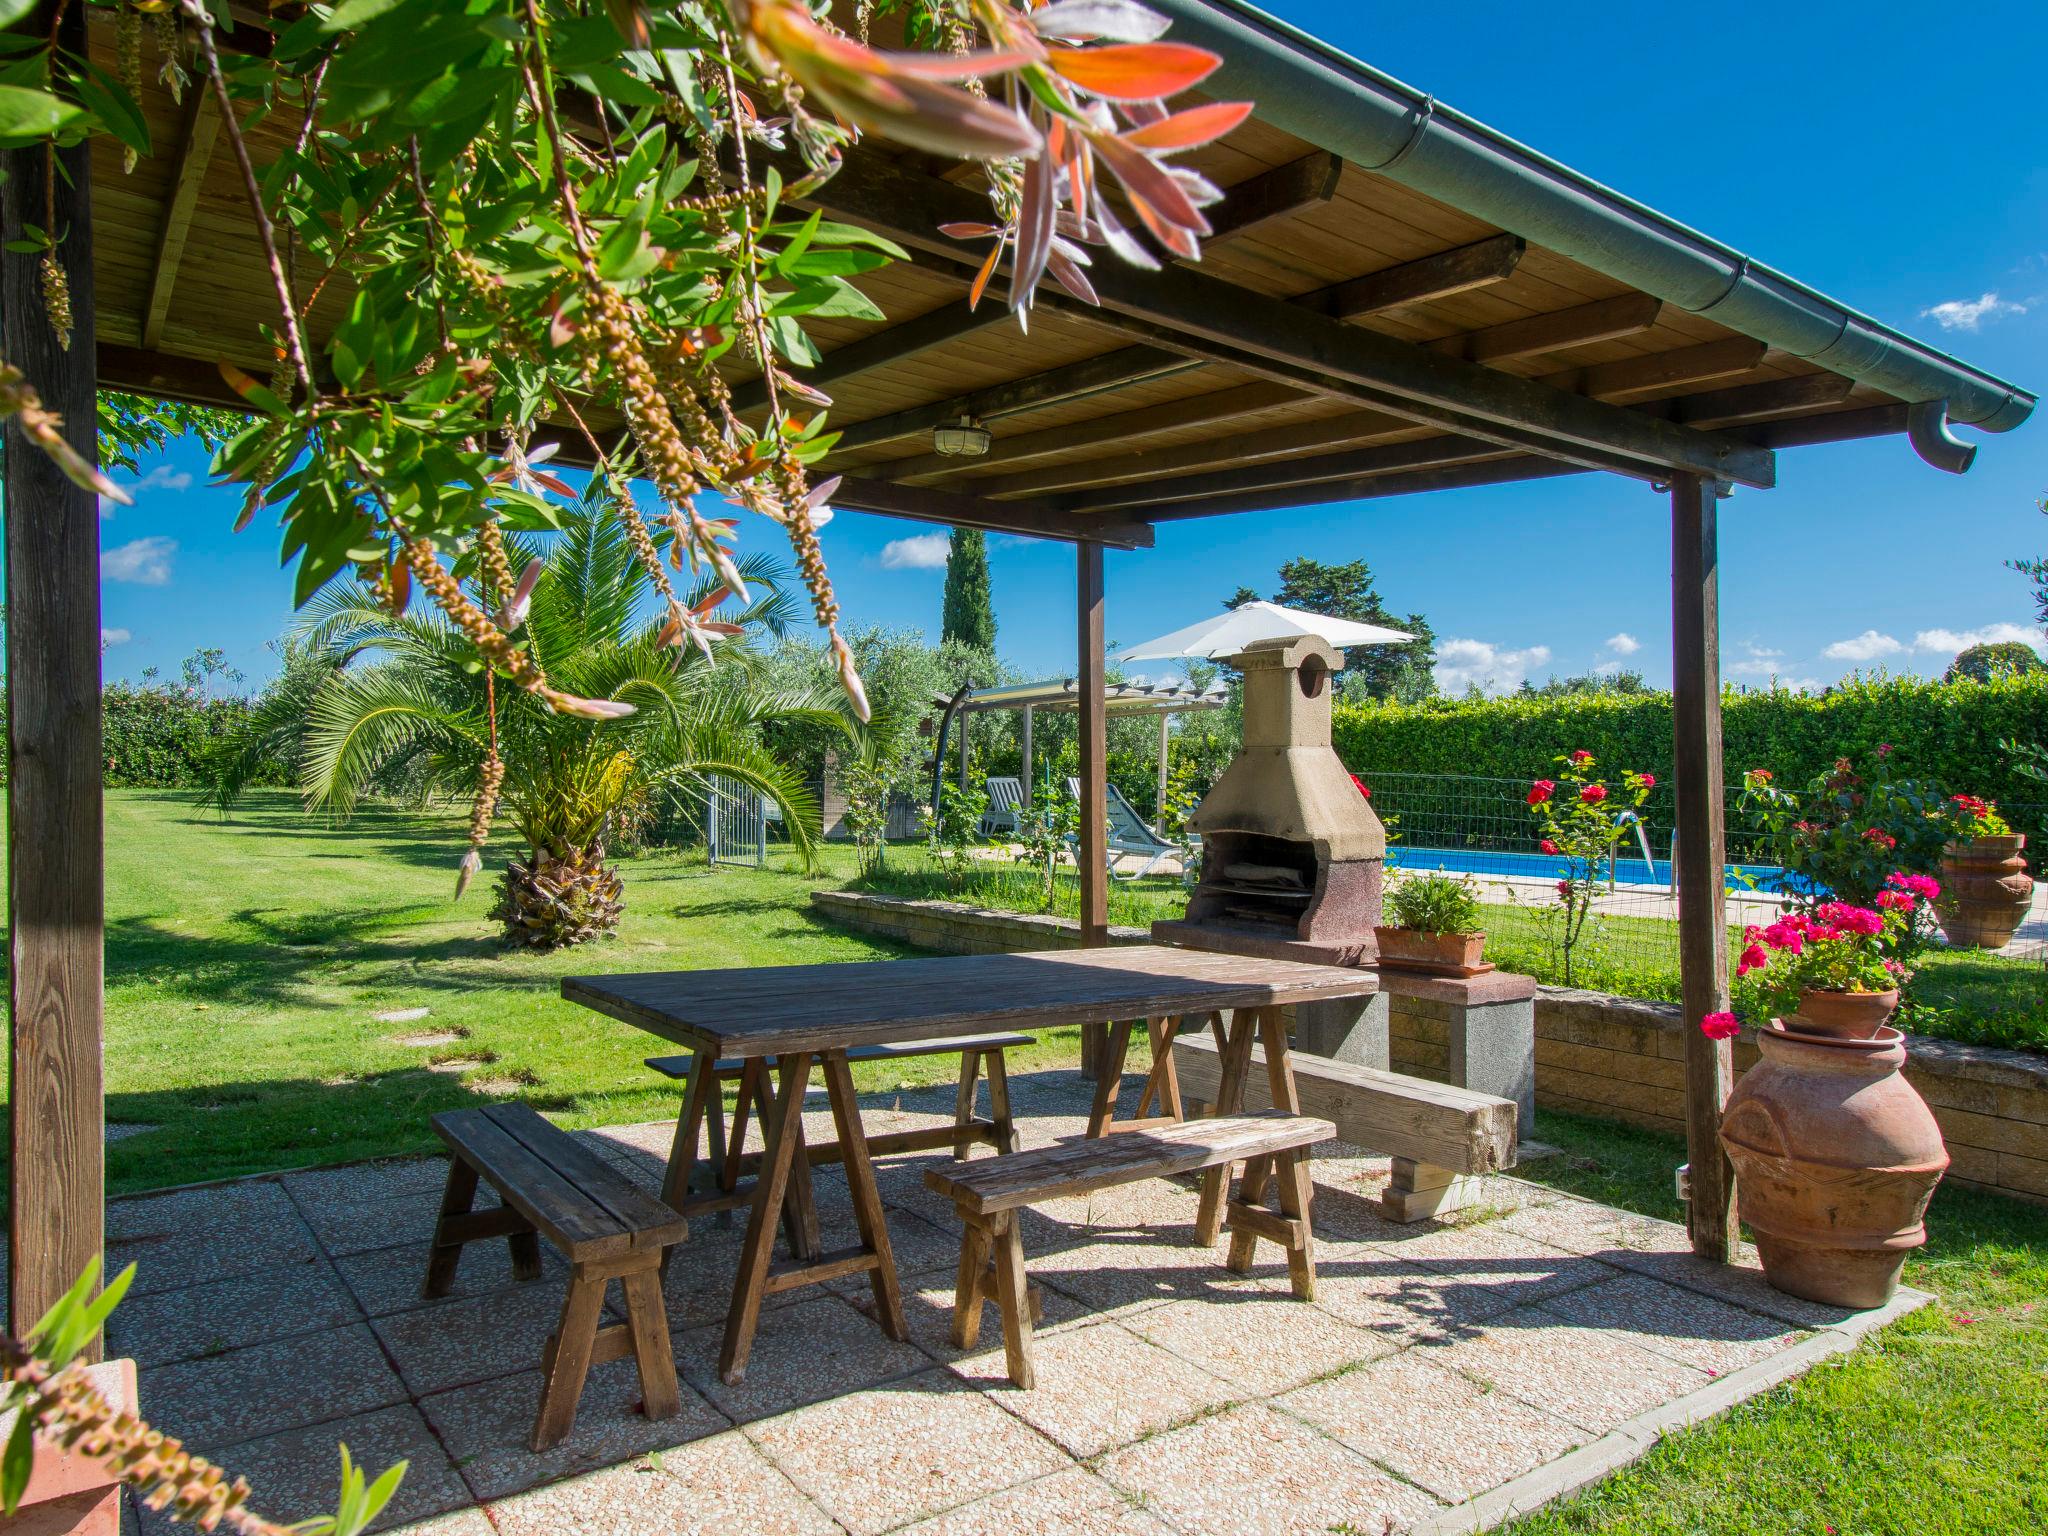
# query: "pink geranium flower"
{"points": [[1720, 1026]]}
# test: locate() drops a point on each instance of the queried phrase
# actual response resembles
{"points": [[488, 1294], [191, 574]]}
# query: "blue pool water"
{"points": [[1543, 866]]}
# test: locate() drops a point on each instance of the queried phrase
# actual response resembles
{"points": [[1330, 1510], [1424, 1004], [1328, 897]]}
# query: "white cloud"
{"points": [[1947, 642], [1867, 646], [1755, 661], [920, 552], [1462, 664], [1624, 644], [145, 562], [113, 637], [162, 478], [1969, 314]]}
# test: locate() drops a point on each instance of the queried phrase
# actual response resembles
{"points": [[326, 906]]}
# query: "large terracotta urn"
{"points": [[1985, 891], [1836, 1157]]}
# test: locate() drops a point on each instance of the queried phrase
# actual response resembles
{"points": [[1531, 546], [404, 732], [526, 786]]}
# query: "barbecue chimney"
{"points": [[1292, 853]]}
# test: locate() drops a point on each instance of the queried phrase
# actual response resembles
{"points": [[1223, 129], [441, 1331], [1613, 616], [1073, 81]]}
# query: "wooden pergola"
{"points": [[1396, 300]]}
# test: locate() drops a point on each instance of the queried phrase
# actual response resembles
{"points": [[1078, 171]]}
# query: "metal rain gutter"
{"points": [[1320, 94]]}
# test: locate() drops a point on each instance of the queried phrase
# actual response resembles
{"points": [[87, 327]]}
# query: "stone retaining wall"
{"points": [[1615, 1057]]}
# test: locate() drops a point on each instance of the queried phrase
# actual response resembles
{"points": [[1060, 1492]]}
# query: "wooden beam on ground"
{"points": [[1428, 278], [959, 510], [1700, 856], [1119, 426], [947, 323], [1628, 314], [1180, 307], [202, 127], [1273, 195], [56, 860], [1090, 671], [1729, 357], [1754, 402]]}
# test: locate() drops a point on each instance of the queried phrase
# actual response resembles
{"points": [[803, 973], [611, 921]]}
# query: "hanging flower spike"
{"points": [[1720, 1026], [584, 709], [900, 96], [849, 678]]}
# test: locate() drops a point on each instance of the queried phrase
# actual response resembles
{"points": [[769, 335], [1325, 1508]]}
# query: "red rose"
{"points": [[1564, 890], [1547, 846], [1593, 794], [1542, 790], [1647, 780], [1361, 786], [1582, 756]]}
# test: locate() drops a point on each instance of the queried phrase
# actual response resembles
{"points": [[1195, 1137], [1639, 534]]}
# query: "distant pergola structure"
{"points": [[1062, 695], [1396, 300]]}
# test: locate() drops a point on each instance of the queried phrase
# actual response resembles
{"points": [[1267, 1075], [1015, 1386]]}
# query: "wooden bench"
{"points": [[1440, 1137], [729, 1159], [988, 1192], [608, 1228]]}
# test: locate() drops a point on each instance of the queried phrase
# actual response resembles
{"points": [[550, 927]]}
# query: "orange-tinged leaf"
{"points": [[1197, 125], [1134, 71], [988, 267]]}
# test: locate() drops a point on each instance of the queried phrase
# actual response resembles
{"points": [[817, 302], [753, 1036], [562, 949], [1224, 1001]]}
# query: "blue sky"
{"points": [[1895, 169]]}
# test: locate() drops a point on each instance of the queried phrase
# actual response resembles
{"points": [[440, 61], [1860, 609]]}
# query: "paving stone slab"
{"points": [[1592, 1377], [224, 1399], [1700, 1331], [296, 1475], [389, 1221], [818, 1347], [486, 1426], [475, 1338], [382, 1180], [1253, 1472], [717, 1486], [387, 1280], [217, 1315], [1434, 1427], [193, 1236], [1071, 1503], [1261, 1341], [892, 1455]]}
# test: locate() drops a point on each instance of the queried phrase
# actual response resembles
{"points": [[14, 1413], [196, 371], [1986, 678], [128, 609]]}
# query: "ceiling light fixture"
{"points": [[966, 438]]}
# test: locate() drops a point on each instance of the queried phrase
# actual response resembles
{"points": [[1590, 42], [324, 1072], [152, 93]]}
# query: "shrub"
{"points": [[1948, 732]]}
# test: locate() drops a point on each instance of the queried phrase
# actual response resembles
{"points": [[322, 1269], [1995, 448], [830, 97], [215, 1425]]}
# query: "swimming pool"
{"points": [[1544, 866]]}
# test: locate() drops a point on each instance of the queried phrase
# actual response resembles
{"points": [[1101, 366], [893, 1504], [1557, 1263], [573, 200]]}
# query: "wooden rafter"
{"points": [[202, 127], [1756, 402], [1350, 465], [1423, 281], [1730, 357], [1273, 195], [935, 328], [1627, 314], [1447, 477], [1032, 520], [1183, 307]]}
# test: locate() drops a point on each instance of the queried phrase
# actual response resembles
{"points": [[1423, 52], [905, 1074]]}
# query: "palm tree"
{"points": [[423, 715]]}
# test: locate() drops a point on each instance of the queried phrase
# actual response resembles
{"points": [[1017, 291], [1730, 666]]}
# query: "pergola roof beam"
{"points": [[1281, 341], [1730, 357], [1422, 281], [1274, 195], [1030, 519], [1319, 469], [935, 328], [202, 126], [1628, 314], [1753, 402], [1400, 483]]}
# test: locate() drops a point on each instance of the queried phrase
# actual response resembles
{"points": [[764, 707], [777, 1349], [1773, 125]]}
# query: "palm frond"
{"points": [[361, 720]]}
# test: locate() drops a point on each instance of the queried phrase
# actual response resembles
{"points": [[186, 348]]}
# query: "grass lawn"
{"points": [[246, 960]]}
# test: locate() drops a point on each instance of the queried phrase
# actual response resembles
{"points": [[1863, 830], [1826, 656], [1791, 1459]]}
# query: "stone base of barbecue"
{"points": [[1245, 939]]}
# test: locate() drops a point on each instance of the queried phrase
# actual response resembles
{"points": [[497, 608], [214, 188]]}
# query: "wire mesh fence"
{"points": [[1481, 828]]}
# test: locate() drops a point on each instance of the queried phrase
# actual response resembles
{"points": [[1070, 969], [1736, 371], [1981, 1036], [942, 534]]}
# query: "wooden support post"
{"points": [[1027, 756], [1701, 856], [55, 843], [1094, 840], [1165, 746]]}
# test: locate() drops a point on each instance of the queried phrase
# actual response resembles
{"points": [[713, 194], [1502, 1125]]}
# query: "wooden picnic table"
{"points": [[806, 1014]]}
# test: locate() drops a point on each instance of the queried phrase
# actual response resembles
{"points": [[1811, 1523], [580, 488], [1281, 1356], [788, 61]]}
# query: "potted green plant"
{"points": [[1986, 889], [1435, 926]]}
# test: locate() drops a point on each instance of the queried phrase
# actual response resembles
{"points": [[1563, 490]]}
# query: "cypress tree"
{"points": [[970, 615]]}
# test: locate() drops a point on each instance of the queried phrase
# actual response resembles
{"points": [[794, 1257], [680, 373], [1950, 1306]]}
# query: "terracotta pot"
{"points": [[1843, 1015], [1443, 954], [1985, 891], [1835, 1159]]}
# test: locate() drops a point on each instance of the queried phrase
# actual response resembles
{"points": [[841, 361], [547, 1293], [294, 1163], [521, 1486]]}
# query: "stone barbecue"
{"points": [[1292, 853]]}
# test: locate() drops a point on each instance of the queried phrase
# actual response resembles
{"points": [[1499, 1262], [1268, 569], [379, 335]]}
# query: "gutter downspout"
{"points": [[1316, 92]]}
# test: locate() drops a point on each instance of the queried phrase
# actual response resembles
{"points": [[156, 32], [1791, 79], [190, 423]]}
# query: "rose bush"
{"points": [[1582, 826]]}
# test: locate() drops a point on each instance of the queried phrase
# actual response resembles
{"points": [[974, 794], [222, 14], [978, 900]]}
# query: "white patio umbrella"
{"points": [[1228, 633]]}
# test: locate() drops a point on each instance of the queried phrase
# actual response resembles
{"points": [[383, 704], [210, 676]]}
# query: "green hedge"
{"points": [[163, 737], [1945, 731]]}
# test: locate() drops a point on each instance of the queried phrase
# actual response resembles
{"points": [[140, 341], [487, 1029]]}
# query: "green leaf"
{"points": [[12, 11], [27, 114], [17, 1464], [108, 100]]}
